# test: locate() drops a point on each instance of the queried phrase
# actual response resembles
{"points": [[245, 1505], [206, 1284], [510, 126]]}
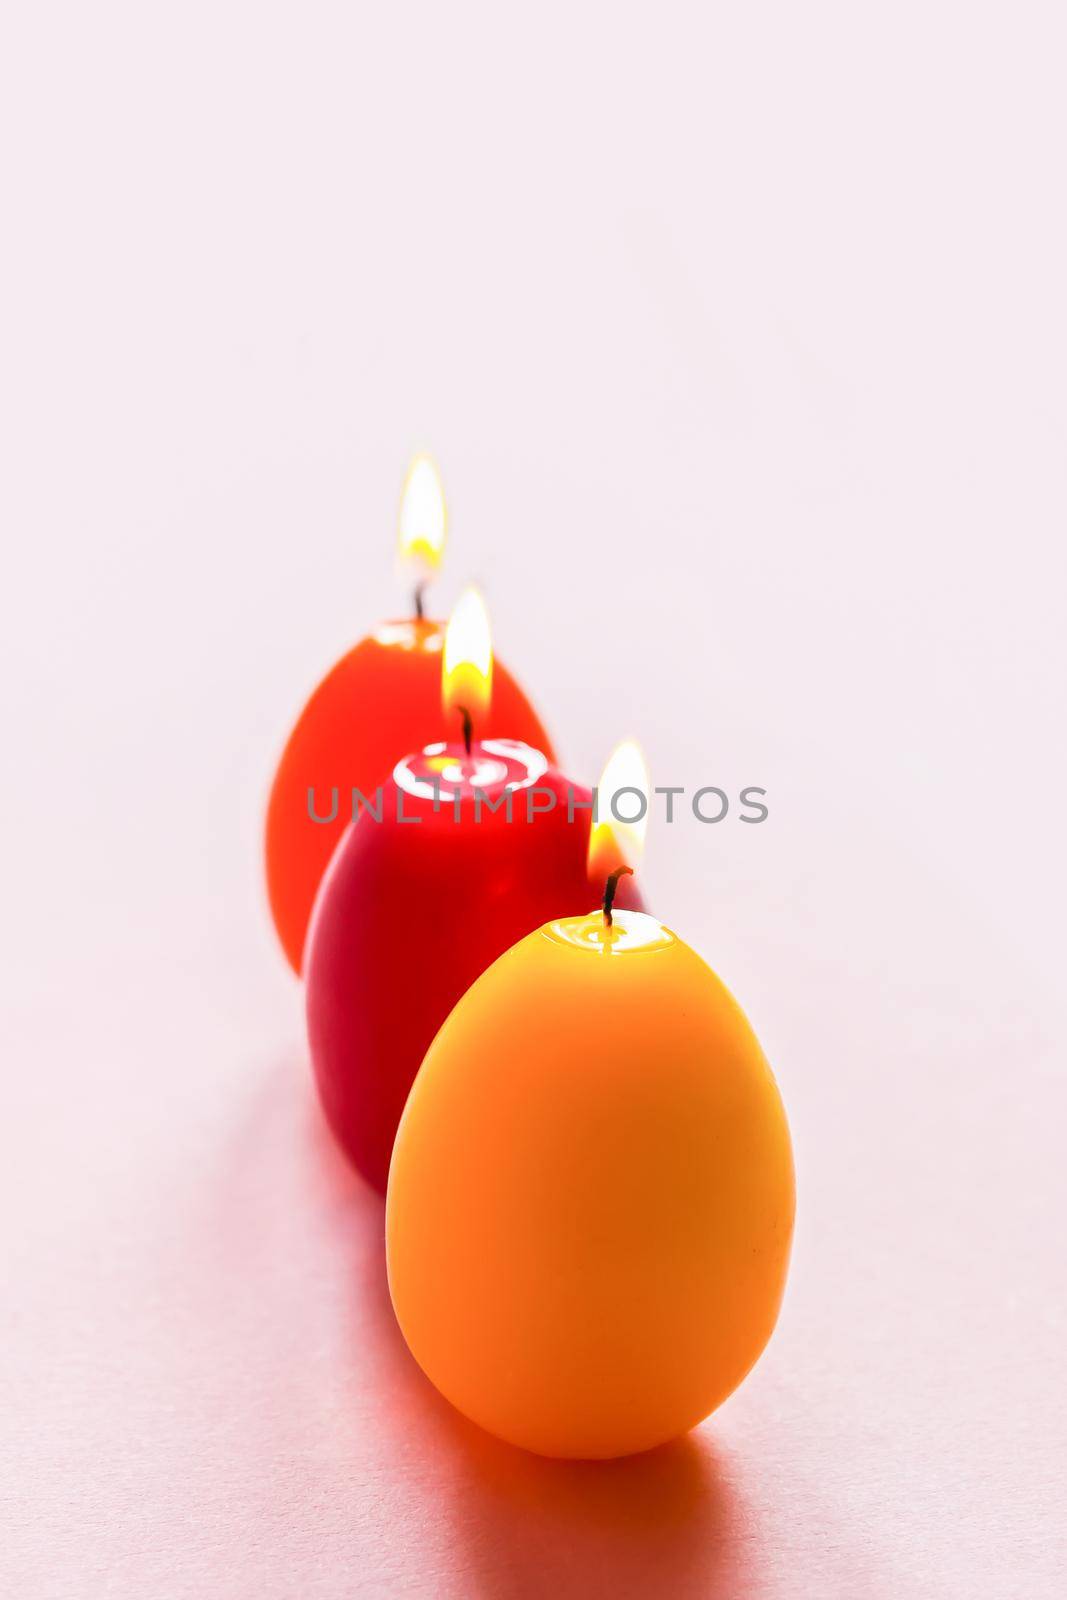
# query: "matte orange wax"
{"points": [[590, 1203], [378, 702]]}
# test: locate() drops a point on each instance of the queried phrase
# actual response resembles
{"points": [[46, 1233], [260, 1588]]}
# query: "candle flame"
{"points": [[423, 518], [467, 658], [613, 843]]}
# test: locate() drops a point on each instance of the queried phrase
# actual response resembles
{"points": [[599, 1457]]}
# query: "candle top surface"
{"points": [[630, 931], [411, 633], [443, 771]]}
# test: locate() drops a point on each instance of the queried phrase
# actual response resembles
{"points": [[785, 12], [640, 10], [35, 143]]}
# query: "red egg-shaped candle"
{"points": [[468, 848], [382, 698]]}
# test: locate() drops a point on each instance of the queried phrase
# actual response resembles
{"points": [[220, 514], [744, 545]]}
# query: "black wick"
{"points": [[420, 590], [610, 888], [468, 727]]}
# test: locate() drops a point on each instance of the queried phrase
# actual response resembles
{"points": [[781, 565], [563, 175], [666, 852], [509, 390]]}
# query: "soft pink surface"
{"points": [[741, 338], [207, 1391]]}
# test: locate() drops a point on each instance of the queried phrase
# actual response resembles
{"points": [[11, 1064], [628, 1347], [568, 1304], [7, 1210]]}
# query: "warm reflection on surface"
{"points": [[655, 1525], [511, 1524], [339, 1453]]}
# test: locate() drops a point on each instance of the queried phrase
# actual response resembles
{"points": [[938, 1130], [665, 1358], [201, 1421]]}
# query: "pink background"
{"points": [[740, 336]]}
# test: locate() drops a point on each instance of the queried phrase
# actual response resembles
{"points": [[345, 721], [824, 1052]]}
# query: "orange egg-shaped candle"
{"points": [[590, 1203], [380, 699]]}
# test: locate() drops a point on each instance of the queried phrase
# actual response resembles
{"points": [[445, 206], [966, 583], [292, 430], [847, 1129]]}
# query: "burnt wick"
{"points": [[468, 728], [610, 888]]}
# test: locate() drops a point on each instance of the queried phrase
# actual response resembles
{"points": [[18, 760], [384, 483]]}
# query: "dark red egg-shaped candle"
{"points": [[468, 850]]}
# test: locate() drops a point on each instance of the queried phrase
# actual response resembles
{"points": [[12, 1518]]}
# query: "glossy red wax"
{"points": [[409, 914]]}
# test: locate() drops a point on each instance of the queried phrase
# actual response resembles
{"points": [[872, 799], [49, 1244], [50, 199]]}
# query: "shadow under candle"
{"points": [[668, 1522]]}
